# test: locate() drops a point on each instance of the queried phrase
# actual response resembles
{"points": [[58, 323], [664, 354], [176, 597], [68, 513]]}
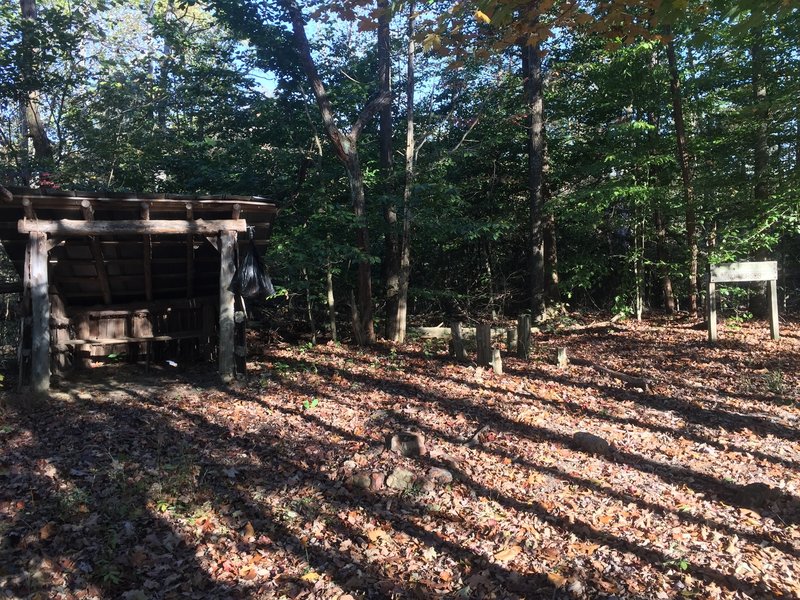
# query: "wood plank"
{"points": [[180, 335], [736, 272], [40, 316], [227, 243], [97, 254], [70, 227]]}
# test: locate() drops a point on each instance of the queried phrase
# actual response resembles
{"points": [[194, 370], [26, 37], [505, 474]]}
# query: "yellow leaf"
{"points": [[556, 579], [431, 40], [311, 576], [375, 535], [482, 16], [508, 554]]}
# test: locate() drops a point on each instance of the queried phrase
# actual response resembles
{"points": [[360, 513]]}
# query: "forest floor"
{"points": [[172, 485]]}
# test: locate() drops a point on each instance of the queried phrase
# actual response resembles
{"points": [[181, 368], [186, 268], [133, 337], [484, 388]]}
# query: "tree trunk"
{"points": [[31, 125], [331, 300], [346, 147], [391, 258], [405, 240], [534, 99], [686, 174], [661, 259], [758, 300]]}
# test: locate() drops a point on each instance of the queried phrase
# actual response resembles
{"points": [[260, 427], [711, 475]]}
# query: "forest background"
{"points": [[434, 159]]}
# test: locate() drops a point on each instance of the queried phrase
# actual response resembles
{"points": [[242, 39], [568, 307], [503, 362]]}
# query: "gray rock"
{"points": [[407, 443], [400, 479], [592, 443], [439, 476]]}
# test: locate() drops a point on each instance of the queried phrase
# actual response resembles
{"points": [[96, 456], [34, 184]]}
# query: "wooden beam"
{"points": [[6, 195], [69, 227], [97, 254], [40, 314], [147, 253], [227, 243], [189, 254]]}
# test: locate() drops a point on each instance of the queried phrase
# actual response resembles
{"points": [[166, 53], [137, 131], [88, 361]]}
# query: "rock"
{"points": [[367, 480], [377, 481], [360, 480], [407, 443], [439, 475], [400, 479], [349, 465], [591, 443]]}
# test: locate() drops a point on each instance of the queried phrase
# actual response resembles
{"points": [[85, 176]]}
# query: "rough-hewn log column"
{"points": [[97, 254], [227, 243], [40, 312]]}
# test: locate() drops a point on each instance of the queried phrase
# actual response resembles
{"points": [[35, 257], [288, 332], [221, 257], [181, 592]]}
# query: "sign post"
{"points": [[743, 272]]}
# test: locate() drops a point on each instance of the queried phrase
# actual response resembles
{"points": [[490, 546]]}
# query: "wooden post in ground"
{"points": [[524, 336], [772, 290], [712, 311], [497, 362], [483, 335], [40, 312], [511, 340], [459, 352], [227, 267], [240, 351]]}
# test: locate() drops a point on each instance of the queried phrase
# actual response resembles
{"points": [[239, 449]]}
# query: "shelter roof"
{"points": [[117, 266]]}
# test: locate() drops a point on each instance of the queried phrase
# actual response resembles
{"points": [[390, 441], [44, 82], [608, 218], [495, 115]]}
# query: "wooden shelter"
{"points": [[105, 273]]}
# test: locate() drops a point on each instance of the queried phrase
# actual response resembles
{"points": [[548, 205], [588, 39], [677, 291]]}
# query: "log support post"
{"points": [[227, 243], [240, 352], [40, 312]]}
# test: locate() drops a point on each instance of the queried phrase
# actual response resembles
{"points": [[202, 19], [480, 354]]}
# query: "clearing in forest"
{"points": [[171, 485]]}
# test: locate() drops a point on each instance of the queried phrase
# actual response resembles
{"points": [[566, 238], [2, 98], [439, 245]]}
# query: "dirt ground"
{"points": [[170, 484]]}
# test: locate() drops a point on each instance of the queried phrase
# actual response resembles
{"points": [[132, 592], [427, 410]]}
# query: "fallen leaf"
{"points": [[557, 579], [508, 554], [311, 576]]}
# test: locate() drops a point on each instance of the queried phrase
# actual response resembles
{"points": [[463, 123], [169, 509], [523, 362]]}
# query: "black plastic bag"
{"points": [[251, 278]]}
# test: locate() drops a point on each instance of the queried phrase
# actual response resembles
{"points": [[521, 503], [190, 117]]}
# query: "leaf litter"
{"points": [[173, 485]]}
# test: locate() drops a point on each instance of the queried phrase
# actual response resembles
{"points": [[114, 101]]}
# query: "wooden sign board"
{"points": [[744, 271]]}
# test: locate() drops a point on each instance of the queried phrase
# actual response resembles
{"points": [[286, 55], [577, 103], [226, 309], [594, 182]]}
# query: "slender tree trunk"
{"points": [[31, 124], [331, 299], [346, 147], [534, 99], [661, 259], [391, 258], [405, 240], [758, 301], [551, 289], [686, 175]]}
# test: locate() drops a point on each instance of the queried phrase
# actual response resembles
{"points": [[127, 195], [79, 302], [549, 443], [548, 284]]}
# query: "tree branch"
{"points": [[6, 195], [372, 108]]}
